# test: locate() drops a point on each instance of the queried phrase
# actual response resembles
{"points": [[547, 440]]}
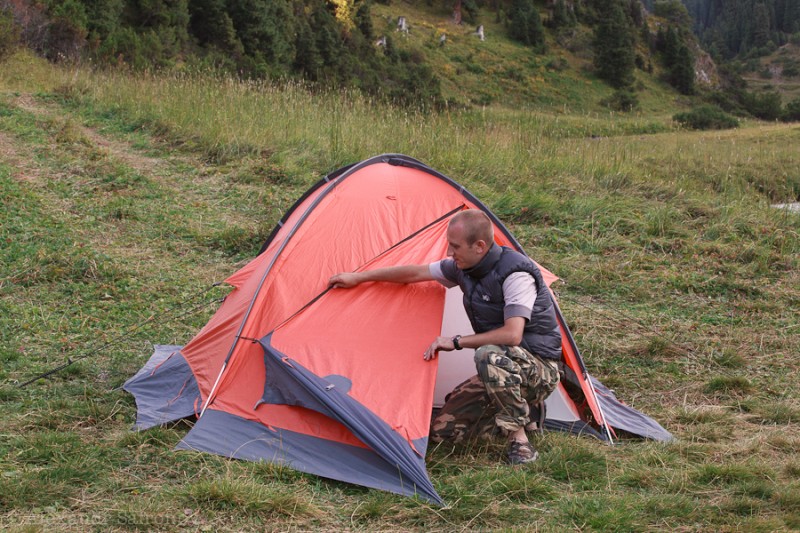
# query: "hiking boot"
{"points": [[520, 453]]}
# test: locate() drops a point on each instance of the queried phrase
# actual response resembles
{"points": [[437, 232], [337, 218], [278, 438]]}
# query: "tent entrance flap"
{"points": [[289, 383]]}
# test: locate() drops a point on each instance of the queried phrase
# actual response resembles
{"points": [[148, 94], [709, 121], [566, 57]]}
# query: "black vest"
{"points": [[483, 299]]}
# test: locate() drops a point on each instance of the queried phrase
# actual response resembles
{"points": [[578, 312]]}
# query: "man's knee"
{"points": [[544, 376], [496, 370], [492, 355], [483, 353]]}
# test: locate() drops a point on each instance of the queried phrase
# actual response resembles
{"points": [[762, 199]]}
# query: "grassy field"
{"points": [[125, 197]]}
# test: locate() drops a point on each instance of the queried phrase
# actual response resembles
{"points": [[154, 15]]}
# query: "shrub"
{"points": [[67, 30], [706, 118], [765, 106], [9, 33], [792, 111], [558, 64], [622, 100], [726, 101]]}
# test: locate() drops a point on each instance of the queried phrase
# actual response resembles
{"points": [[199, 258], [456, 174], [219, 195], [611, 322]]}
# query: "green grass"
{"points": [[125, 196]]}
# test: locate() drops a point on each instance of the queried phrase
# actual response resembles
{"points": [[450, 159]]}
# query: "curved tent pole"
{"points": [[258, 290], [332, 179]]}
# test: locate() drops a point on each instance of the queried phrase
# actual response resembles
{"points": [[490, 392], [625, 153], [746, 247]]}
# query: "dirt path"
{"points": [[11, 154], [91, 179], [118, 150]]}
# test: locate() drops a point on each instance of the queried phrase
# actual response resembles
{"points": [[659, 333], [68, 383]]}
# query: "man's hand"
{"points": [[344, 280], [441, 343]]}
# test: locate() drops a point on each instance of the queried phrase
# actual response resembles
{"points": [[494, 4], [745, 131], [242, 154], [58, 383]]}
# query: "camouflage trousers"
{"points": [[497, 400]]}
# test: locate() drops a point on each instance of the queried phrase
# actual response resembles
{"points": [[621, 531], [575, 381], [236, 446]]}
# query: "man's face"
{"points": [[465, 255]]}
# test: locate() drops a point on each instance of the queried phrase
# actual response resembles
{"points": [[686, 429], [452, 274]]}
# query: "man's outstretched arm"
{"points": [[394, 274]]}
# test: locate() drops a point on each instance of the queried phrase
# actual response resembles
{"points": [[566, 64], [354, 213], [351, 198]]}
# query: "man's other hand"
{"points": [[440, 344]]}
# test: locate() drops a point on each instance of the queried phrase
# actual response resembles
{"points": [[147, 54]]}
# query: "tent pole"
{"points": [[213, 389], [331, 185], [599, 407]]}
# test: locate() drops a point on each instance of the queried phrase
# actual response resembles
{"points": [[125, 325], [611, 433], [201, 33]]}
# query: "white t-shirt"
{"points": [[519, 291]]}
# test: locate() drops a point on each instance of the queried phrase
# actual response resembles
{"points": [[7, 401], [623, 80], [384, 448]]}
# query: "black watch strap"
{"points": [[456, 343]]}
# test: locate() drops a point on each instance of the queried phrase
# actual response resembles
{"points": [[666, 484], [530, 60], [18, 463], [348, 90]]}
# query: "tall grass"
{"points": [[327, 128], [233, 118]]}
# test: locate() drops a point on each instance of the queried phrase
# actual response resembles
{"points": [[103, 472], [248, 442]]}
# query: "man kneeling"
{"points": [[517, 340]]}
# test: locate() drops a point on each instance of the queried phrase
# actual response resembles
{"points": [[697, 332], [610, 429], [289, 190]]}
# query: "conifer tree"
{"points": [[363, 21], [677, 59], [681, 72], [614, 55], [525, 24], [307, 59], [211, 26], [562, 15], [761, 32], [791, 16], [636, 14], [669, 47], [265, 30]]}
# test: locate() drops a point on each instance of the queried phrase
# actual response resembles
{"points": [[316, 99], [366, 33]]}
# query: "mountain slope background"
{"points": [[756, 40], [546, 54]]}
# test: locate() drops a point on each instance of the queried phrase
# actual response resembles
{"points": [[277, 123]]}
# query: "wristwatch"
{"points": [[456, 339]]}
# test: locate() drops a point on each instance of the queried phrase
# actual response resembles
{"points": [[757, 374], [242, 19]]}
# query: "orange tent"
{"points": [[333, 382]]}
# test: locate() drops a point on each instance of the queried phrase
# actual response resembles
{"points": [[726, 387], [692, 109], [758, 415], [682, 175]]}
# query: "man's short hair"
{"points": [[476, 224]]}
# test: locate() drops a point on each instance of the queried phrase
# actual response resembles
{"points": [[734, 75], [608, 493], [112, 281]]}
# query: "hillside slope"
{"points": [[501, 71], [778, 71], [326, 43]]}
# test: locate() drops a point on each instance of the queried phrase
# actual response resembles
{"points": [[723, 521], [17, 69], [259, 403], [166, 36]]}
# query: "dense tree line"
{"points": [[734, 28], [333, 42], [326, 41]]}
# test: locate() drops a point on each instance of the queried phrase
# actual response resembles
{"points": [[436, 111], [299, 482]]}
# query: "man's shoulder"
{"points": [[511, 252], [517, 260], [449, 269]]}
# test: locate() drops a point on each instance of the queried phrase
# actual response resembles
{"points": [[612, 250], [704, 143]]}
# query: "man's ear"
{"points": [[481, 244]]}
